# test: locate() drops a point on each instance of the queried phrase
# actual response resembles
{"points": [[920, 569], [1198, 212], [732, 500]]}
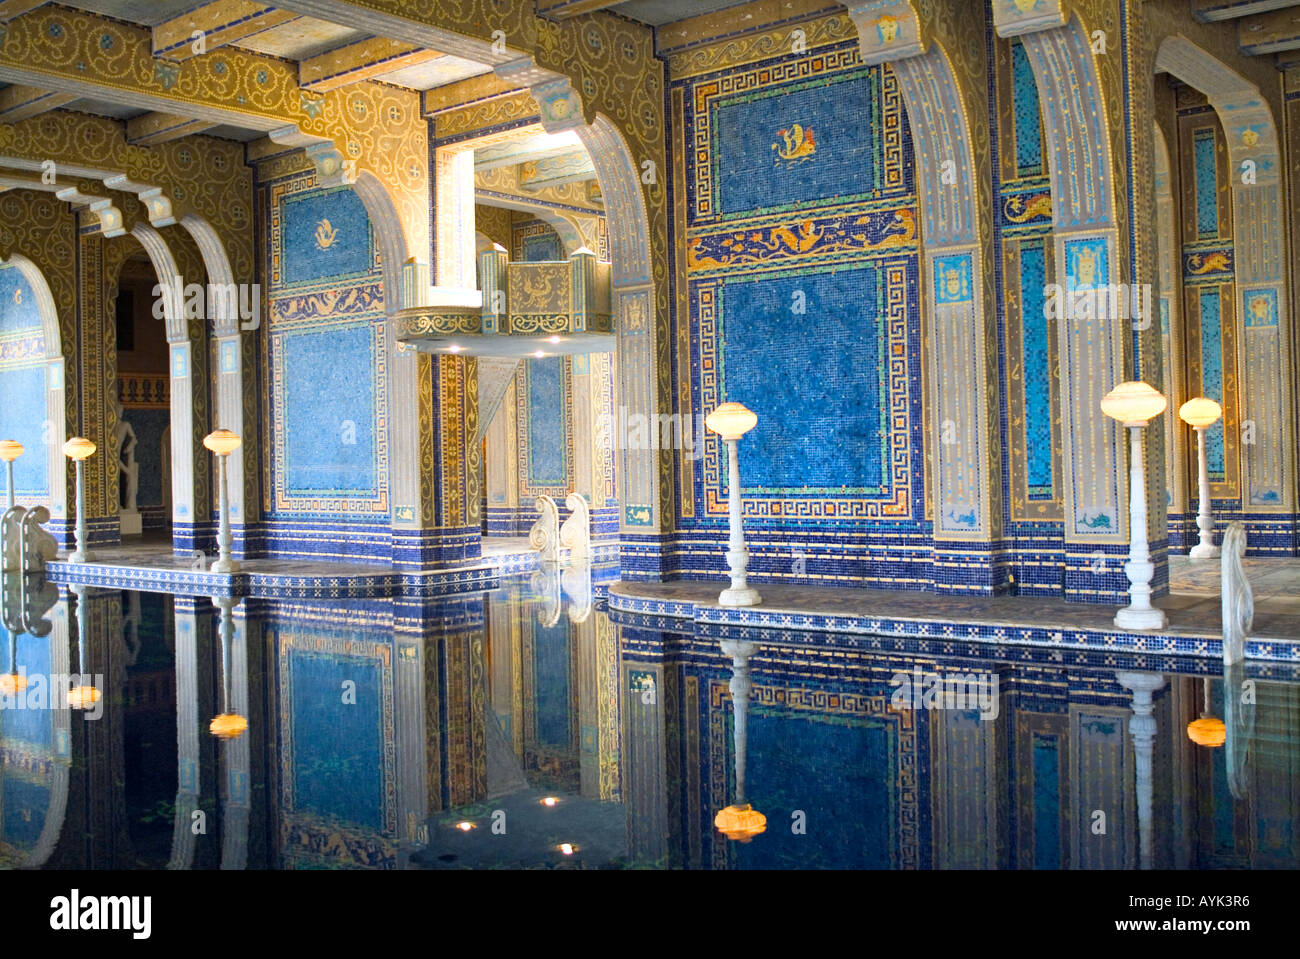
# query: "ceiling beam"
{"points": [[219, 23], [363, 60], [9, 9], [18, 102], [110, 216], [1270, 32], [1209, 11], [150, 129], [563, 9]]}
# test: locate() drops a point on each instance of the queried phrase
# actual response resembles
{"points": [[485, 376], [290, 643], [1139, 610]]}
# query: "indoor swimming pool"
{"points": [[528, 726]]}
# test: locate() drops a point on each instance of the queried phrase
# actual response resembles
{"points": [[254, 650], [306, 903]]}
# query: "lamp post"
{"points": [[77, 449], [10, 450], [1200, 414], [731, 421], [223, 443], [1133, 404]]}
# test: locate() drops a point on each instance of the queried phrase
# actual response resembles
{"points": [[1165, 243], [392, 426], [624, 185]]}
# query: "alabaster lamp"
{"points": [[1133, 405], [10, 450], [77, 449], [223, 443], [731, 421], [1200, 414]]}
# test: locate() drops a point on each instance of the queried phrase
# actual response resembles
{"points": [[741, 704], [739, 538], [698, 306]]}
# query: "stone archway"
{"points": [[55, 428], [1260, 264]]}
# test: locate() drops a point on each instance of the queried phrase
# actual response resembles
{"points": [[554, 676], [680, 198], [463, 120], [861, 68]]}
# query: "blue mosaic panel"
{"points": [[25, 807], [324, 235], [547, 419], [338, 763], [149, 426], [818, 387], [792, 144], [1207, 184], [1261, 308], [551, 693], [816, 764], [329, 412], [23, 414], [1028, 116], [1047, 803], [543, 246], [1212, 376], [17, 302], [1037, 370], [1087, 264]]}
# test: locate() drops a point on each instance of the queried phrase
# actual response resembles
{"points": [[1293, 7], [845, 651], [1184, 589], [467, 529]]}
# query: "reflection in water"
{"points": [[523, 728]]}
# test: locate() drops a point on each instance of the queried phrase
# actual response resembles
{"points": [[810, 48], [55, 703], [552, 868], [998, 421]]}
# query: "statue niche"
{"points": [[129, 484]]}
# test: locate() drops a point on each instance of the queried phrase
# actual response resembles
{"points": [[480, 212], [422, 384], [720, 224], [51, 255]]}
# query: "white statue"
{"points": [[575, 533], [1238, 600], [545, 534], [125, 438]]}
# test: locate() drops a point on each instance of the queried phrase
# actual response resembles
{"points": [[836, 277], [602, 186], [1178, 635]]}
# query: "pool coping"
{"points": [[639, 598]]}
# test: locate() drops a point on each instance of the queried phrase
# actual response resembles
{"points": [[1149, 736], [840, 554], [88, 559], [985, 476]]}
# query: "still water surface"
{"points": [[523, 728]]}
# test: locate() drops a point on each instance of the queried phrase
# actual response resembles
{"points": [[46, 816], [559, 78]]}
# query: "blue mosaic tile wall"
{"points": [[1212, 375], [547, 422], [22, 384], [842, 446], [1033, 547], [798, 271], [325, 468], [338, 766], [1207, 186]]}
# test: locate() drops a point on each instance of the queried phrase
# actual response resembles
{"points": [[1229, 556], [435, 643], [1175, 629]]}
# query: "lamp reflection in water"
{"points": [[1208, 731], [731, 421], [223, 443], [13, 682], [1142, 728], [1133, 405], [77, 449], [740, 821], [229, 724], [86, 695]]}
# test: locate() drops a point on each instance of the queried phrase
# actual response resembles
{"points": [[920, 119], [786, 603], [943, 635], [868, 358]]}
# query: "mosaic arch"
{"points": [[1168, 243], [965, 502], [1267, 397], [1093, 351], [619, 176], [235, 388], [55, 410], [404, 280], [183, 448]]}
